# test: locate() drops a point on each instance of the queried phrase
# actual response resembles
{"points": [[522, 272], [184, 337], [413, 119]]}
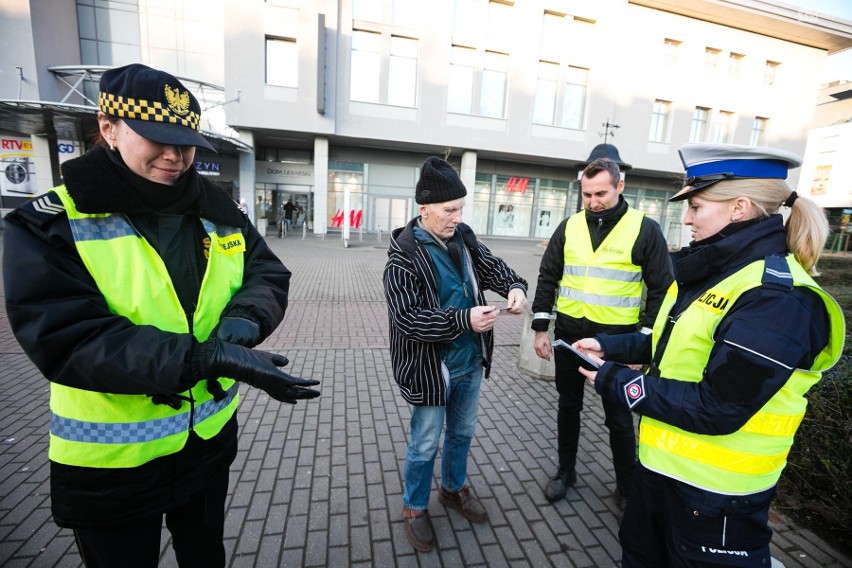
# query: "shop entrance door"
{"points": [[390, 213]]}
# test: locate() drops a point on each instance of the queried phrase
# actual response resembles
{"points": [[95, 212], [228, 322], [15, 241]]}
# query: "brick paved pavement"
{"points": [[320, 484]]}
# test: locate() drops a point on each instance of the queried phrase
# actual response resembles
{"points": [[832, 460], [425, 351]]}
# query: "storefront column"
{"points": [[320, 184], [247, 175], [468, 177]]}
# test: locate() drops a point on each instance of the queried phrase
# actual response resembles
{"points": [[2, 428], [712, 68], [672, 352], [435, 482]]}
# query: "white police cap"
{"points": [[708, 163]]}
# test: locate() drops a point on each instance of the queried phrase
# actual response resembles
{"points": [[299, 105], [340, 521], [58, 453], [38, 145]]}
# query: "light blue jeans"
{"points": [[425, 433]]}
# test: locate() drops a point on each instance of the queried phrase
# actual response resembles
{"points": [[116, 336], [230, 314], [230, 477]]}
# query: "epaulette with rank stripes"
{"points": [[42, 209]]}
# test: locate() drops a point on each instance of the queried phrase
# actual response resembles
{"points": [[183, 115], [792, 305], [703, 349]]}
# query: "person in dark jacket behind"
{"points": [[138, 289], [593, 269], [742, 335], [440, 339]]}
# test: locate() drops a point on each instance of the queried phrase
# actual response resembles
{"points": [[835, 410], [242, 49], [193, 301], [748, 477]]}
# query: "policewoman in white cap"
{"points": [[742, 335], [441, 340], [138, 288]]}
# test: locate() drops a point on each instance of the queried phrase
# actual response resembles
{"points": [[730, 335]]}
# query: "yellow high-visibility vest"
{"points": [[601, 285], [103, 430], [751, 459]]}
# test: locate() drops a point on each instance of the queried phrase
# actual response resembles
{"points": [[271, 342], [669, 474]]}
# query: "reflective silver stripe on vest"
{"points": [[605, 273], [134, 432], [101, 228], [599, 299]]}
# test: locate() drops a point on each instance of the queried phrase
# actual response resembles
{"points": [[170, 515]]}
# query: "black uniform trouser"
{"points": [[619, 420], [670, 525], [197, 530]]}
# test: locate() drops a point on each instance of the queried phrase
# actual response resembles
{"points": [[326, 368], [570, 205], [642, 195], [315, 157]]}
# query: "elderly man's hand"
{"points": [[517, 301]]}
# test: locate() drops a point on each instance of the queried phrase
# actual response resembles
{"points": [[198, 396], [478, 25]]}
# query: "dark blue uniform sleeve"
{"points": [[767, 335]]}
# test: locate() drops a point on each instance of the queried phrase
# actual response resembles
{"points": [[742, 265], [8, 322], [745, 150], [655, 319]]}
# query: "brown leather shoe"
{"points": [[418, 529], [465, 503]]}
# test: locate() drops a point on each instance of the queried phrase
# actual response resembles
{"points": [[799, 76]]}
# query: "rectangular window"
{"points": [[397, 12], [671, 51], [544, 105], [282, 62], [500, 24], [494, 82], [735, 65], [574, 105], [724, 133], [460, 81], [402, 72], [758, 131], [711, 60], [770, 72], [660, 120], [365, 81], [384, 68], [700, 124], [553, 28]]}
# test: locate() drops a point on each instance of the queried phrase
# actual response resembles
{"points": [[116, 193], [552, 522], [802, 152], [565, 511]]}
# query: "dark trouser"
{"points": [[665, 525], [619, 420], [197, 529]]}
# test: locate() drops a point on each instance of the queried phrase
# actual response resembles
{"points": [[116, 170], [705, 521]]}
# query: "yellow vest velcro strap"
{"points": [[135, 432], [697, 450], [599, 299], [605, 273]]}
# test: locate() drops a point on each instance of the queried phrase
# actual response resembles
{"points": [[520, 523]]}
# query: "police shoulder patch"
{"points": [[634, 391]]}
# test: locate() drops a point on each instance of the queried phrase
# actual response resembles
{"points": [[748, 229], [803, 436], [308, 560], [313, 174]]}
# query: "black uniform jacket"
{"points": [[63, 323], [770, 331]]}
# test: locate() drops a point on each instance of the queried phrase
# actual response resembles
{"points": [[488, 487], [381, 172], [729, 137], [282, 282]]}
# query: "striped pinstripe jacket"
{"points": [[418, 325]]}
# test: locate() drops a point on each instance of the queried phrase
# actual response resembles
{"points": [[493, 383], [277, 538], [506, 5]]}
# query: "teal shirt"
{"points": [[464, 354]]}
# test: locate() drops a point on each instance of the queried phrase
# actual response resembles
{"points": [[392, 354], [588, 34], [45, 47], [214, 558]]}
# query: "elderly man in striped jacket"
{"points": [[441, 340]]}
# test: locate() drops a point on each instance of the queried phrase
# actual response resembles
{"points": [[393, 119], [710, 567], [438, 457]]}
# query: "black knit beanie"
{"points": [[438, 182]]}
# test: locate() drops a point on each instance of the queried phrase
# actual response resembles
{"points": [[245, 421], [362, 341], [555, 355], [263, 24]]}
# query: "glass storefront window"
{"points": [[343, 177], [551, 206], [652, 203], [513, 201]]}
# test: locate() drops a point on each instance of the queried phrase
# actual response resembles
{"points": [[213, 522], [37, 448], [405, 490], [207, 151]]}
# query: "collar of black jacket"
{"points": [[609, 216], [95, 185], [696, 263]]}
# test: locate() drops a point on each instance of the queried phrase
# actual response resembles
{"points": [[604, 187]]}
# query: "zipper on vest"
{"points": [[189, 320]]}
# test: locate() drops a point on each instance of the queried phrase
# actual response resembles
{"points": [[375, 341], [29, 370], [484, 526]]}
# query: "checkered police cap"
{"points": [[154, 104], [707, 164]]}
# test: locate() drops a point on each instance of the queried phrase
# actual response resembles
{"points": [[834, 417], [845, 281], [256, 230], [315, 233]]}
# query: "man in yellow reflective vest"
{"points": [[593, 271], [139, 289]]}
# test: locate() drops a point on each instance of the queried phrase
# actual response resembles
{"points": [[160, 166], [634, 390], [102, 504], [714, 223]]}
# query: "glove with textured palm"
{"points": [[241, 331], [255, 368]]}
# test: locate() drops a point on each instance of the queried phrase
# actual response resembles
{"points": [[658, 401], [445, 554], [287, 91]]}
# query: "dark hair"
{"points": [[603, 164], [97, 138]]}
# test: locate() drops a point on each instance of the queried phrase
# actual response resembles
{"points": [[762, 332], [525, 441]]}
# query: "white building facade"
{"points": [[335, 103]]}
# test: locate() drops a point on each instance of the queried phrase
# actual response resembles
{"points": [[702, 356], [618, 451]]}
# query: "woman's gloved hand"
{"points": [[241, 331], [258, 369]]}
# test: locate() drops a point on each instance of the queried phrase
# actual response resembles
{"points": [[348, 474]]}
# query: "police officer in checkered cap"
{"points": [[139, 289], [743, 334]]}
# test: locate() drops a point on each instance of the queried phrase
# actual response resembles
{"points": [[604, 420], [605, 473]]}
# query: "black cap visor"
{"points": [[165, 133]]}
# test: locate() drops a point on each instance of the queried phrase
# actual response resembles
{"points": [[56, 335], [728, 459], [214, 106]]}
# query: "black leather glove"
{"points": [[238, 330], [256, 368]]}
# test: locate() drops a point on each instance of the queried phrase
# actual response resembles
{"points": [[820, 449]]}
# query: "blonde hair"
{"points": [[807, 225]]}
